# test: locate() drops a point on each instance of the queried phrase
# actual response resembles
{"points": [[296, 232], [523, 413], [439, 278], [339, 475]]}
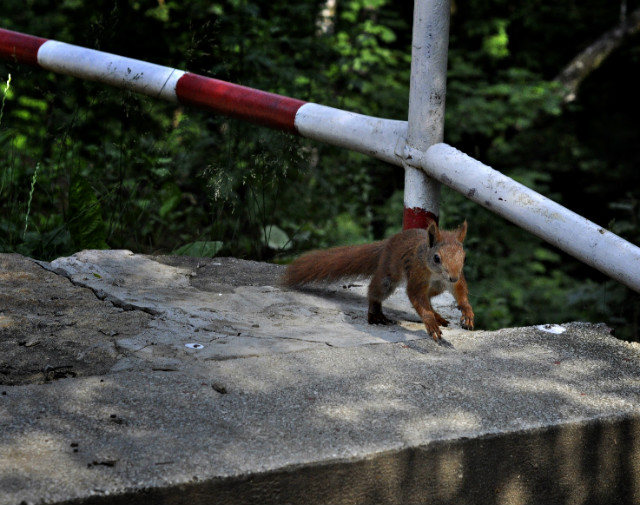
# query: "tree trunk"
{"points": [[592, 57]]}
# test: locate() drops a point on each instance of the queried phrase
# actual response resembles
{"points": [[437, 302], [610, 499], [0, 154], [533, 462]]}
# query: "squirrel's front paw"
{"points": [[466, 324], [466, 319], [433, 328]]}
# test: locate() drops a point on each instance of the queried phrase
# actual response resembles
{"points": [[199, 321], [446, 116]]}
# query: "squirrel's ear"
{"points": [[433, 233], [461, 232]]}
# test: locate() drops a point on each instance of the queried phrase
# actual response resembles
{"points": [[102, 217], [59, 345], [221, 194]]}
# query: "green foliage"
{"points": [[83, 165], [86, 226], [200, 249], [5, 92], [495, 110], [34, 178]]}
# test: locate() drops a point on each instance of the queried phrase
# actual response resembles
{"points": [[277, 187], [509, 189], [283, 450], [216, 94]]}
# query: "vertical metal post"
{"points": [[426, 106]]}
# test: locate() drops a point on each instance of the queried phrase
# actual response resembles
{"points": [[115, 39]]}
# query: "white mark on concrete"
{"points": [[552, 328]]}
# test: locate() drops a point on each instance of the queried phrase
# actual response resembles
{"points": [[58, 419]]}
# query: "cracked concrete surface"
{"points": [[134, 379], [252, 318], [49, 329]]}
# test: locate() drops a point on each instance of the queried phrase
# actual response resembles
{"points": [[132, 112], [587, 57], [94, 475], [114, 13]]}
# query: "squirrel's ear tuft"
{"points": [[433, 233], [461, 232]]}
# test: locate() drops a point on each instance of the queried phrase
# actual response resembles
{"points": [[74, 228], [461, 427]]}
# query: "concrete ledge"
{"points": [[102, 401]]}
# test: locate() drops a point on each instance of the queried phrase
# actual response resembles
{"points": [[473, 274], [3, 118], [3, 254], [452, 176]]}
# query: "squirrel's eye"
{"points": [[436, 259]]}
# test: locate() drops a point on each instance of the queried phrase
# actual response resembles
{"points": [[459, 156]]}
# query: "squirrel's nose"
{"points": [[453, 279]]}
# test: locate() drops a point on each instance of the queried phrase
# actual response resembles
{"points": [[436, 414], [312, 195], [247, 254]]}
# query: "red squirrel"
{"points": [[429, 260]]}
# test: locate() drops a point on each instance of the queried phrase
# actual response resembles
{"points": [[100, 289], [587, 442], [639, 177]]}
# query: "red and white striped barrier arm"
{"points": [[154, 80], [372, 136]]}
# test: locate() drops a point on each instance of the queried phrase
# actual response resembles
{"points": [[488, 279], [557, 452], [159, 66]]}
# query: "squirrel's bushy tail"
{"points": [[333, 264]]}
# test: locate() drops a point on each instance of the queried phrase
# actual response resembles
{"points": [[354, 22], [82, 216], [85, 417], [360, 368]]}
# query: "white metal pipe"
{"points": [[427, 94], [139, 76], [365, 134], [429, 52], [543, 217]]}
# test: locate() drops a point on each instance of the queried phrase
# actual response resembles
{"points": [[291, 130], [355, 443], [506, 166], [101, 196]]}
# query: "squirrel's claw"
{"points": [[466, 322], [434, 330]]}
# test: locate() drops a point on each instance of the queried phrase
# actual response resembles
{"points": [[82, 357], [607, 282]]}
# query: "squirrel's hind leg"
{"points": [[381, 286], [376, 316]]}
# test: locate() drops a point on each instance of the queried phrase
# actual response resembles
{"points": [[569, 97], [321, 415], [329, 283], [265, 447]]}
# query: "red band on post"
{"points": [[19, 47], [417, 218], [260, 107]]}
